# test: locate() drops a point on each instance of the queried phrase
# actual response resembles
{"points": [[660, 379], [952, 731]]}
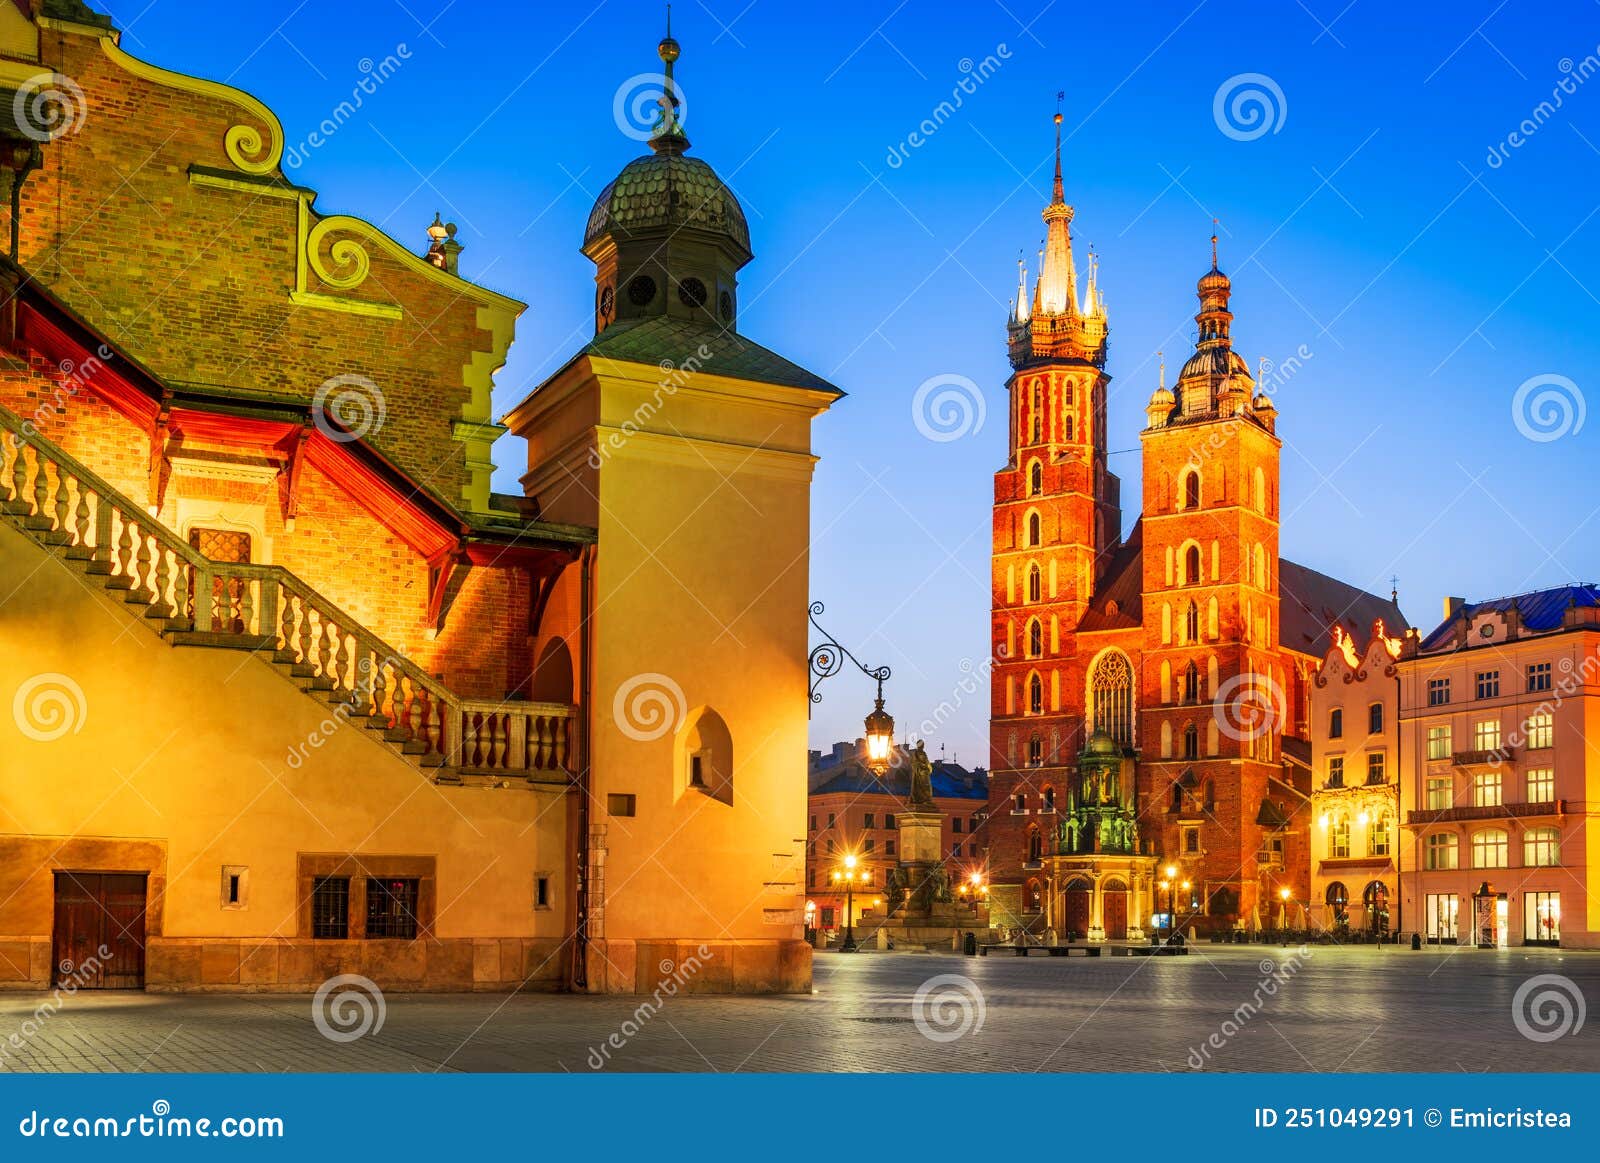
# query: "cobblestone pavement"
{"points": [[1334, 1009]]}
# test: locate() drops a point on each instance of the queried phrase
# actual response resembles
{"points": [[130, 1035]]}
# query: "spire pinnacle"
{"points": [[1161, 360], [1213, 244], [669, 136], [1057, 190]]}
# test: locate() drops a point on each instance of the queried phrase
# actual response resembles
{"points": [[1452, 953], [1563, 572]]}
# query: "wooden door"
{"points": [[1077, 912], [1115, 906], [99, 930]]}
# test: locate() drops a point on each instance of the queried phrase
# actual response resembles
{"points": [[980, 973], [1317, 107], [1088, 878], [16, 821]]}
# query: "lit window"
{"points": [[1438, 691], [1538, 677], [1486, 790], [1541, 785], [1488, 684], [1378, 838], [1339, 837], [1489, 848], [1442, 853], [1486, 735], [1541, 728], [1541, 847], [1439, 793], [1439, 742]]}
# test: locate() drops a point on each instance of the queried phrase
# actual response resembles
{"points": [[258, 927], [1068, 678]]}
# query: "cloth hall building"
{"points": [[1149, 691]]}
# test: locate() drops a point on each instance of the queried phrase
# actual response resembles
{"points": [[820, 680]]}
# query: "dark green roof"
{"points": [[667, 191], [663, 338]]}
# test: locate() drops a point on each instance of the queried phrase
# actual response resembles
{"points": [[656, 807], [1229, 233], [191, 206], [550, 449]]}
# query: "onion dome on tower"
{"points": [[667, 236]]}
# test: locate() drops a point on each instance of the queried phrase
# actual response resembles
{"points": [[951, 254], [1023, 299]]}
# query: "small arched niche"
{"points": [[705, 756]]}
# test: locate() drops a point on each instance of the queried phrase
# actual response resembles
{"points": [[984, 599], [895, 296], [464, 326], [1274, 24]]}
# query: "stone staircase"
{"points": [[264, 610]]}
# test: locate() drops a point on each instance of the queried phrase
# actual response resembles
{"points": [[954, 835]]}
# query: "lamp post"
{"points": [[848, 874], [973, 889], [827, 658], [1283, 895]]}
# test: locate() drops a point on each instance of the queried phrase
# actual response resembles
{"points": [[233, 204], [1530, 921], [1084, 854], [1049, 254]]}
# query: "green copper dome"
{"points": [[1099, 743], [667, 191]]}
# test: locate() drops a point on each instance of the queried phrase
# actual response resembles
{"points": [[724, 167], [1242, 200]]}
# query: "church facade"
{"points": [[1149, 691], [296, 692]]}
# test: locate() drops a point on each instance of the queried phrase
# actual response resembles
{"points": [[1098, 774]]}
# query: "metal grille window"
{"points": [[330, 908], [227, 594], [392, 908]]}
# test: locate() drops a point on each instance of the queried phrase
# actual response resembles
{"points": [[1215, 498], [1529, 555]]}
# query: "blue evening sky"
{"points": [[1368, 227]]}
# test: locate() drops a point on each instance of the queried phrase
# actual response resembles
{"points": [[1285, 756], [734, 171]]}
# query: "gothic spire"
{"points": [[1058, 282]]}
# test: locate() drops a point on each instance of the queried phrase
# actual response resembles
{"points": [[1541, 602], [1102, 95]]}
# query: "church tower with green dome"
{"points": [[687, 447]]}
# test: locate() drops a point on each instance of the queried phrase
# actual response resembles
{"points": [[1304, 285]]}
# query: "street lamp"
{"points": [[826, 660], [1284, 895], [848, 875], [972, 889]]}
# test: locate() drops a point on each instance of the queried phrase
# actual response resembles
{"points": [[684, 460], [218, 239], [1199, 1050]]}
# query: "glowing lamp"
{"points": [[1283, 894], [1172, 871], [880, 736]]}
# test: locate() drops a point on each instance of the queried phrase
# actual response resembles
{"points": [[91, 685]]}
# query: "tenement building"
{"points": [[1144, 685], [296, 692], [1498, 782], [1355, 797]]}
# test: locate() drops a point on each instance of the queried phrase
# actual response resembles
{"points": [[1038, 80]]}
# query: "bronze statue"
{"points": [[921, 778]]}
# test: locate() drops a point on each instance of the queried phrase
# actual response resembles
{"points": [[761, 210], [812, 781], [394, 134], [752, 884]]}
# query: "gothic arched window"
{"points": [[1191, 566], [1111, 696], [1191, 623], [1038, 414], [1035, 638], [1036, 695], [1066, 427], [1191, 684], [1191, 742], [1036, 479], [1036, 530], [1035, 751], [1191, 489], [1034, 587]]}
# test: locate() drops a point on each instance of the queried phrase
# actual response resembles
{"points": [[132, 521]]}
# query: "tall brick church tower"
{"points": [[1147, 694]]}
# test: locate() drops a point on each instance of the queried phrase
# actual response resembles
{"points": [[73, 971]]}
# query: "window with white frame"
{"points": [[1490, 848], [1439, 793], [1375, 769], [1439, 742], [1541, 785], [1486, 790], [1336, 771], [1442, 852], [1339, 837], [1541, 729], [1486, 735], [1541, 847], [1538, 677], [1378, 836]]}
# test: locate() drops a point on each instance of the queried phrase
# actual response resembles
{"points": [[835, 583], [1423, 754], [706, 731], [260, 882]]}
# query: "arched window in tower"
{"points": [[1035, 583], [1035, 846], [1035, 638], [1259, 497], [1035, 751], [1191, 489], [1066, 427], [1038, 414], [1111, 696], [1036, 695], [1191, 742], [1191, 623], [1191, 684], [1035, 530], [1036, 479], [1191, 566]]}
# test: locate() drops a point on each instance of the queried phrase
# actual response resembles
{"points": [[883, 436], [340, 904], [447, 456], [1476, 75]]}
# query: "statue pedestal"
{"points": [[921, 835]]}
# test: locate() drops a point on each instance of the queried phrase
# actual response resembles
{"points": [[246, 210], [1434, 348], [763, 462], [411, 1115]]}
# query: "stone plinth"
{"points": [[921, 836]]}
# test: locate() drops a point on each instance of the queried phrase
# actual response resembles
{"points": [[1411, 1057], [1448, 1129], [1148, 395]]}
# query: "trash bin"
{"points": [[970, 945], [1416, 942]]}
